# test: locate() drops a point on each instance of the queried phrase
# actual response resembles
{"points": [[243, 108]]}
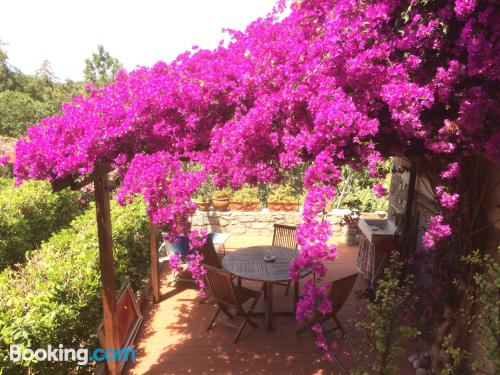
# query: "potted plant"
{"points": [[202, 202], [282, 198], [350, 221], [245, 199], [220, 199], [203, 195]]}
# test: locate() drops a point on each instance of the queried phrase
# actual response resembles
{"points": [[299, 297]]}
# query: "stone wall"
{"points": [[259, 223]]}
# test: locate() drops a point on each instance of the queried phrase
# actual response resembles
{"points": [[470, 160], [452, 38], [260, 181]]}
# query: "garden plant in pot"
{"points": [[203, 196], [282, 198], [350, 221], [245, 199], [220, 199]]}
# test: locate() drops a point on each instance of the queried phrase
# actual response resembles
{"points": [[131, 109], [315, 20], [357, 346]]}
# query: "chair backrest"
{"points": [[209, 254], [340, 290], [284, 236], [221, 285]]}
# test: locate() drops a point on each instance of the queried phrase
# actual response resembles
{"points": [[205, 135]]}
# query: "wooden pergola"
{"points": [[106, 263]]}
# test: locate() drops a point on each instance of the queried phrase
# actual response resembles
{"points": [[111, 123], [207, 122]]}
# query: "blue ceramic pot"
{"points": [[181, 246]]}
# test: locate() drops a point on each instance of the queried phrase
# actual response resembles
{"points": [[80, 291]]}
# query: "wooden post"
{"points": [[107, 269], [155, 264], [408, 218]]}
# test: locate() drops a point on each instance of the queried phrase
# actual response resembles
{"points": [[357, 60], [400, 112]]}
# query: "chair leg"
{"points": [[247, 319], [300, 331], [213, 319], [252, 323], [308, 324], [295, 295], [240, 330], [337, 322], [250, 310], [205, 299], [227, 312], [287, 287]]}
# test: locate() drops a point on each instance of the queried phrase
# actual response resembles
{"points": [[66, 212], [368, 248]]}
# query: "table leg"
{"points": [[295, 294], [269, 306]]}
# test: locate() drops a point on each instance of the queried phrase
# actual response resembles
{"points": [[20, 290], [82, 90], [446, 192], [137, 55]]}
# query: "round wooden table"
{"points": [[248, 263]]}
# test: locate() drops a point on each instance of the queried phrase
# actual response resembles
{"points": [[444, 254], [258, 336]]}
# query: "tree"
{"points": [[45, 71], [8, 74], [17, 111], [101, 67], [25, 99]]}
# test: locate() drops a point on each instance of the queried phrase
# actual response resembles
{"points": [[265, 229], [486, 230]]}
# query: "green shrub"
{"points": [[7, 145], [222, 193], [17, 111], [204, 193], [5, 172], [29, 214], [388, 324], [55, 297], [282, 193], [247, 194], [5, 183], [355, 189]]}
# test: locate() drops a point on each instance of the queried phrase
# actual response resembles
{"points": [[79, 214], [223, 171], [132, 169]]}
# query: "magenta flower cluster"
{"points": [[435, 231], [331, 83], [451, 171], [447, 200], [379, 190]]}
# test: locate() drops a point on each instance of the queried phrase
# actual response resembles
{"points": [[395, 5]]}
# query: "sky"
{"points": [[138, 33]]}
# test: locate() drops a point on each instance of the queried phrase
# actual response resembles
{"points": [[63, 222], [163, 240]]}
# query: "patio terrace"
{"points": [[174, 340]]}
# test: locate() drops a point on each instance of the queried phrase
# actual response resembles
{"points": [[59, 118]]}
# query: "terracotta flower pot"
{"points": [[220, 204], [203, 206], [282, 206], [245, 206]]}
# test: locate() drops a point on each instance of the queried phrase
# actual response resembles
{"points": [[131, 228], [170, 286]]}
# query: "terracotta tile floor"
{"points": [[173, 338]]}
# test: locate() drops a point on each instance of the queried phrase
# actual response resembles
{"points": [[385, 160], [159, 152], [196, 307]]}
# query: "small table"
{"points": [[248, 263]]}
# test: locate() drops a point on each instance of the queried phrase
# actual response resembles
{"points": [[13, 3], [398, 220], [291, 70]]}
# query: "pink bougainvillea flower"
{"points": [[447, 200], [451, 171], [436, 231], [174, 261], [379, 190]]}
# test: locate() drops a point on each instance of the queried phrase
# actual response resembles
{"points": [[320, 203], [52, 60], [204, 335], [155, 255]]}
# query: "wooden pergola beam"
{"points": [[409, 210], [74, 183], [106, 262], [155, 263], [103, 215]]}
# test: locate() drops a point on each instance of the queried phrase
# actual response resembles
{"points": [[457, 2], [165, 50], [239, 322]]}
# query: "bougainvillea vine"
{"points": [[331, 83]]}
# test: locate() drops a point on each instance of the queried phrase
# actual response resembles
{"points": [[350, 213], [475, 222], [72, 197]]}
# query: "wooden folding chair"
{"points": [[338, 293], [210, 256], [228, 297], [213, 259], [284, 236]]}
